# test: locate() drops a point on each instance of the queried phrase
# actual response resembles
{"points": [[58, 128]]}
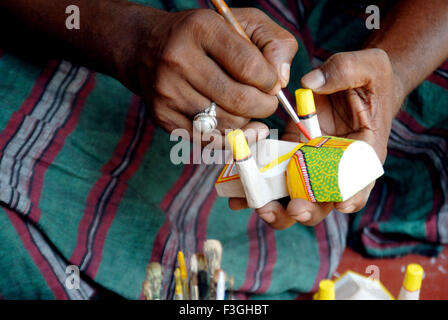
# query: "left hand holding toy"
{"points": [[357, 95]]}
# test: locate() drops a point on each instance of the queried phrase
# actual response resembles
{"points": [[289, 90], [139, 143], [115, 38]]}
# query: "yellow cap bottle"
{"points": [[305, 102], [412, 283], [238, 144], [306, 110], [326, 290]]}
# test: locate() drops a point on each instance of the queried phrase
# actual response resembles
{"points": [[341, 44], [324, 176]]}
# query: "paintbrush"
{"points": [[178, 289], [202, 277], [147, 290], [154, 276], [194, 290], [231, 290], [220, 280], [183, 274], [213, 254], [225, 11]]}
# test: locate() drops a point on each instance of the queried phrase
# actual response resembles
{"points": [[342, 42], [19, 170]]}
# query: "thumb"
{"points": [[342, 71]]}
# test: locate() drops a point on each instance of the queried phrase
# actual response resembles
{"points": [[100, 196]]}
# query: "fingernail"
{"points": [[304, 217], [263, 133], [269, 217], [314, 80], [285, 71], [348, 209]]}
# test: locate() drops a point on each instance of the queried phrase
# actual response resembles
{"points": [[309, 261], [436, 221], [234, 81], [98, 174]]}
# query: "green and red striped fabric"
{"points": [[86, 180]]}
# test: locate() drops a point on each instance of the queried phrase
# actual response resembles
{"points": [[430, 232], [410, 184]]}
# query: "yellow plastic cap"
{"points": [[178, 282], [326, 290], [182, 265], [305, 102], [413, 277], [238, 144]]}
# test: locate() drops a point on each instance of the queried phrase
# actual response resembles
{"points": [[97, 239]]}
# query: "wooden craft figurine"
{"points": [[325, 169]]}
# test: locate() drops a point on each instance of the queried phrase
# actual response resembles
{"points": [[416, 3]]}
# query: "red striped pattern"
{"points": [[113, 202], [56, 145], [45, 268], [324, 254], [17, 117], [256, 265]]}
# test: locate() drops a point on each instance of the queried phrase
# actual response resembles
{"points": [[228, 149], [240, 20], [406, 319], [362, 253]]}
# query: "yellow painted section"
{"points": [[305, 102], [413, 277], [238, 144]]}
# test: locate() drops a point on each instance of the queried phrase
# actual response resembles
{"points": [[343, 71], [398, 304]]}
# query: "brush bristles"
{"points": [[216, 276], [231, 284], [153, 270], [194, 264], [154, 276], [202, 262], [147, 290], [213, 254]]}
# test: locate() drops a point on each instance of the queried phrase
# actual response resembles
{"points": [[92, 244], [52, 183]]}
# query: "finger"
{"points": [[255, 131], [279, 46], [357, 202], [308, 213], [171, 119], [187, 100], [236, 98], [343, 71], [239, 57], [275, 215]]}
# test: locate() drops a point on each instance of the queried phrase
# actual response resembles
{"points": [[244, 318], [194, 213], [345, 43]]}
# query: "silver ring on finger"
{"points": [[206, 121]]}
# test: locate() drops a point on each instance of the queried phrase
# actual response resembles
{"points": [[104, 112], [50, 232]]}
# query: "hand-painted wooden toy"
{"points": [[325, 169]]}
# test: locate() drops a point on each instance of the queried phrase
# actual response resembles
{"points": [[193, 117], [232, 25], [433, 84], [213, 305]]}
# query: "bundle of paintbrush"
{"points": [[204, 280]]}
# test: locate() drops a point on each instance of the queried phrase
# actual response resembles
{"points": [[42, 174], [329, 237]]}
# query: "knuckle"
{"points": [[199, 20], [172, 57], [341, 63], [381, 55], [161, 87], [286, 41], [256, 12], [250, 67], [233, 122]]}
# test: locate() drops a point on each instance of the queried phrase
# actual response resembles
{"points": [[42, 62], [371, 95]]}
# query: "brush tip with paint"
{"points": [[194, 264], [147, 290], [154, 276], [202, 262], [213, 254]]}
